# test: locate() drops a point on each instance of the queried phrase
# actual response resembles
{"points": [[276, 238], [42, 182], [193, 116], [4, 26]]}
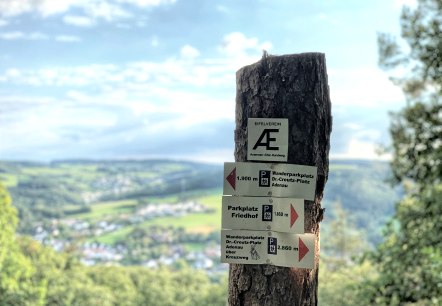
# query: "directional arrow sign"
{"points": [[302, 249], [294, 215], [231, 178], [263, 213], [265, 179], [268, 247]]}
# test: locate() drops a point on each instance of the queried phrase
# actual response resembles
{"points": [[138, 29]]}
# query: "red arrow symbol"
{"points": [[293, 215], [303, 249], [231, 178]]}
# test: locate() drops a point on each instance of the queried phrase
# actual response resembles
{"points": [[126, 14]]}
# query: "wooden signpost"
{"points": [[282, 140]]}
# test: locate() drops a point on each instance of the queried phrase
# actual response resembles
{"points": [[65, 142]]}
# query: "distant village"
{"points": [[80, 235]]}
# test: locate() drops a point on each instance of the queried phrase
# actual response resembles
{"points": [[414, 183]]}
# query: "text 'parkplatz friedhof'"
{"points": [[263, 202]]}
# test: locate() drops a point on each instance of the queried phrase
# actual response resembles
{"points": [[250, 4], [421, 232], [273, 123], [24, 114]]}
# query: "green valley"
{"points": [[158, 212]]}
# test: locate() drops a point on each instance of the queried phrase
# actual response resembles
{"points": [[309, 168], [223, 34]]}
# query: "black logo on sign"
{"points": [[266, 143], [267, 212], [253, 252], [272, 245], [264, 178]]}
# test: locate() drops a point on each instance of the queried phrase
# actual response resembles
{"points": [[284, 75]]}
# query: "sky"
{"points": [[116, 79]]}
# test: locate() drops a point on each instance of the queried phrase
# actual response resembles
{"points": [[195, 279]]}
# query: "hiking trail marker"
{"points": [[267, 139], [263, 213], [267, 179], [268, 247]]}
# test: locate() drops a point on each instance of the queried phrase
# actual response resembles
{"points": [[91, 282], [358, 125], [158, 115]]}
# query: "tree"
{"points": [[340, 273], [293, 87], [409, 260], [16, 271], [8, 223]]}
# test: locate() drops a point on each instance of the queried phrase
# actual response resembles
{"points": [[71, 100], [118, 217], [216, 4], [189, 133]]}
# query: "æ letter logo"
{"points": [[266, 143], [267, 139]]}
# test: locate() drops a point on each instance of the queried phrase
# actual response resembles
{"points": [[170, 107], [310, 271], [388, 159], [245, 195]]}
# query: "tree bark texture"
{"points": [[294, 87]]}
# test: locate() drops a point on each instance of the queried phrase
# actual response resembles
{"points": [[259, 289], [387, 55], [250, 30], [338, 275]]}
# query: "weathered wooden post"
{"points": [[293, 87]]}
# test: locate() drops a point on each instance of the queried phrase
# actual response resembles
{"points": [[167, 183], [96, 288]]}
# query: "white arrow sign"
{"points": [[263, 213], [265, 179], [265, 247]]}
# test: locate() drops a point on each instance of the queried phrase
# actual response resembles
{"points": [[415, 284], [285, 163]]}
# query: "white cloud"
{"points": [[93, 8], [216, 156], [106, 11], [79, 21], [12, 73], [15, 7], [50, 124], [37, 36], [154, 42], [222, 9], [16, 35], [241, 50], [236, 44], [177, 96], [361, 149], [147, 3], [12, 35], [52, 7], [3, 22], [67, 38], [366, 86], [176, 72], [189, 52], [44, 7]]}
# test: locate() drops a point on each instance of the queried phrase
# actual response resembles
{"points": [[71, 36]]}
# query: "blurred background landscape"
{"points": [[116, 117]]}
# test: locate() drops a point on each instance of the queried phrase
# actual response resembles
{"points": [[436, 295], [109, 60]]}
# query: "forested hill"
{"points": [[43, 191], [363, 190]]}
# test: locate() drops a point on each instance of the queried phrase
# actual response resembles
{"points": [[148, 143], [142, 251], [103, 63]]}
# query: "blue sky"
{"points": [[156, 78]]}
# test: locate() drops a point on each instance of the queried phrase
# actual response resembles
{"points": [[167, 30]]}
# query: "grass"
{"points": [[195, 247], [192, 222], [114, 237], [8, 180], [342, 167], [43, 171], [105, 209]]}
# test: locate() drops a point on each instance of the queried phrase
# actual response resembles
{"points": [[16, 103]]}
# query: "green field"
{"points": [[199, 223], [8, 180], [196, 223], [104, 210], [61, 190], [334, 167]]}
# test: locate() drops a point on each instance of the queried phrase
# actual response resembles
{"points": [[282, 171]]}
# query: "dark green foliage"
{"points": [[8, 222], [33, 275], [340, 273], [416, 132], [17, 283], [409, 261], [422, 35], [361, 189]]}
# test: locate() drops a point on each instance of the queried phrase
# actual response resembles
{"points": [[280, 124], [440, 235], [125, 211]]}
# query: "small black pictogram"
{"points": [[272, 246], [267, 212], [264, 178]]}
